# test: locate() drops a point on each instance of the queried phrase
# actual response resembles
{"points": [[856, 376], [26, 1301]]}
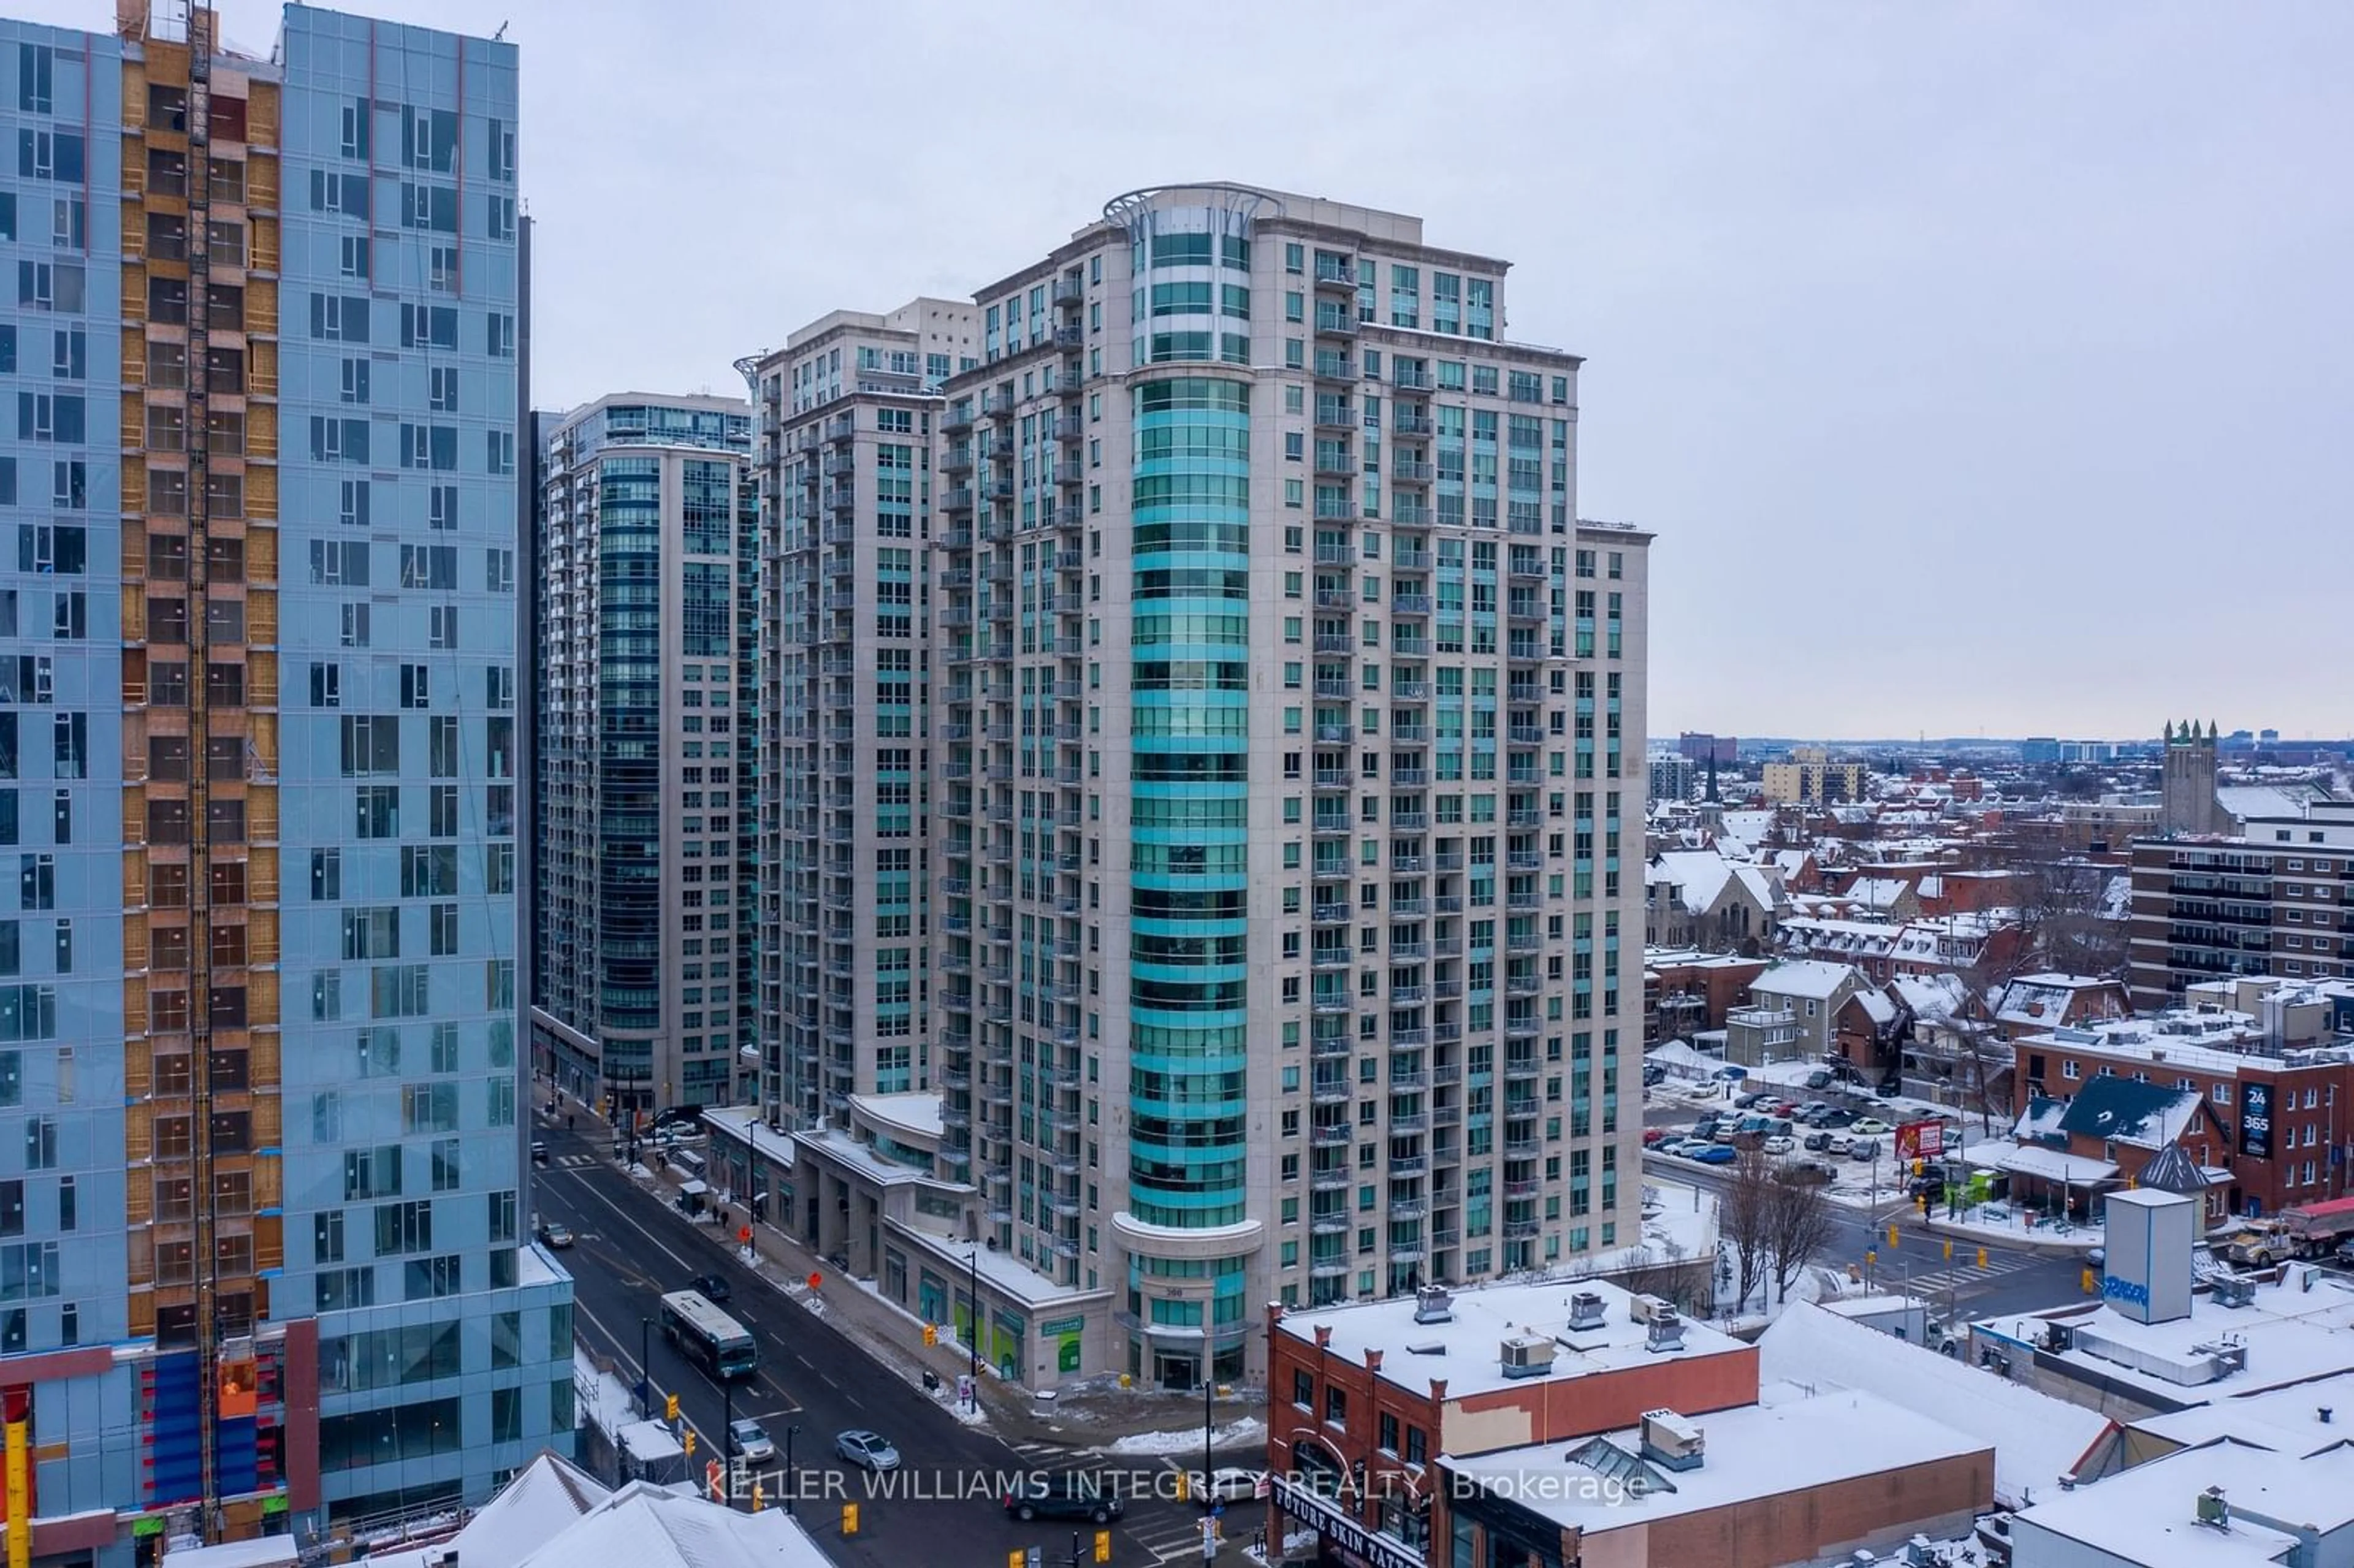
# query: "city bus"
{"points": [[698, 1329]]}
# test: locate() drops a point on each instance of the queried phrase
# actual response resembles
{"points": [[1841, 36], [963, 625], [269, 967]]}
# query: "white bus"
{"points": [[697, 1329]]}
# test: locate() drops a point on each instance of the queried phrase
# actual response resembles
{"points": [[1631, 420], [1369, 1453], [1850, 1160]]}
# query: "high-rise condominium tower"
{"points": [[261, 1257], [1267, 937], [641, 848]]}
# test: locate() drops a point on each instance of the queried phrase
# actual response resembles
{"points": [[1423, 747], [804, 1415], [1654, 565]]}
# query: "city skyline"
{"points": [[1983, 315]]}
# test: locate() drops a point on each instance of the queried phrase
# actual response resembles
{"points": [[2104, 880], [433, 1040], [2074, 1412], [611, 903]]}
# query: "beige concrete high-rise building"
{"points": [[1273, 790]]}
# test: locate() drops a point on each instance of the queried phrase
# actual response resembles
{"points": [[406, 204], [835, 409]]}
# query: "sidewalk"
{"points": [[1095, 1414]]}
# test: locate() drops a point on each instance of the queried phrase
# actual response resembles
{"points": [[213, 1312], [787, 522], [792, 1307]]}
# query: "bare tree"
{"points": [[1667, 1271], [1743, 1217], [1798, 1225]]}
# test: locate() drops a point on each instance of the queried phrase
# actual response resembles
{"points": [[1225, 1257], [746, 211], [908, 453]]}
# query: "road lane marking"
{"points": [[633, 1224]]}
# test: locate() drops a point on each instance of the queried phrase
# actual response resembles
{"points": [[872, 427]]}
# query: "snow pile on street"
{"points": [[1226, 1436]]}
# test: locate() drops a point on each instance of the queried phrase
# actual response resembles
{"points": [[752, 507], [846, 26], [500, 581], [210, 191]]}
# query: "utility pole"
{"points": [[972, 1329]]}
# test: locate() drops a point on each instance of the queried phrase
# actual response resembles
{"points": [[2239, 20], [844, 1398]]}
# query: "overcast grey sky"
{"points": [[1974, 362]]}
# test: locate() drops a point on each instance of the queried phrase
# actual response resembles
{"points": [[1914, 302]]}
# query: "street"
{"points": [[1944, 1270], [942, 1506]]}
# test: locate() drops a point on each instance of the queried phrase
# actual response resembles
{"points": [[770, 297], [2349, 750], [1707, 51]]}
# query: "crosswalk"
{"points": [[1928, 1275]]}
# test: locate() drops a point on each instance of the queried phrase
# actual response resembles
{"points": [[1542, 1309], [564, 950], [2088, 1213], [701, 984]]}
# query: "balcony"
{"points": [[1335, 276]]}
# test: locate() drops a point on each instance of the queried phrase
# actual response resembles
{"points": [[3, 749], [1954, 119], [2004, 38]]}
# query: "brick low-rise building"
{"points": [[2274, 1129], [1362, 1398]]}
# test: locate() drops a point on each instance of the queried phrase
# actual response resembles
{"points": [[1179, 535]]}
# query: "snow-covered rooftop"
{"points": [[1791, 1444], [2292, 1334], [918, 1112], [1468, 1351], [2035, 1438], [1803, 978], [2148, 1515]]}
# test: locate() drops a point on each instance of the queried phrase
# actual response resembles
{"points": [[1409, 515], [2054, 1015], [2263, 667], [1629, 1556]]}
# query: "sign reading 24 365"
{"points": [[2256, 1120]]}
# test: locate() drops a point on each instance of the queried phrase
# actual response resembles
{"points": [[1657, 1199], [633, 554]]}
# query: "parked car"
{"points": [[867, 1450], [1841, 1143], [1654, 1135], [1820, 1078], [1704, 1128], [1868, 1126], [1716, 1154], [712, 1288], [1817, 1142], [1742, 1102], [1071, 1495], [1723, 1136], [1230, 1484], [553, 1234], [2345, 1254], [748, 1437], [538, 1152], [1816, 1171], [1864, 1149], [1779, 1144]]}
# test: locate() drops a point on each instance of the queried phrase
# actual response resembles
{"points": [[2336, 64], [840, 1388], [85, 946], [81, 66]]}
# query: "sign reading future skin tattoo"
{"points": [[2256, 1120]]}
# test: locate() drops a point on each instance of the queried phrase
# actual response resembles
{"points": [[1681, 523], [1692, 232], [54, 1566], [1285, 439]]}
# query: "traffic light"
{"points": [[1949, 1251], [1185, 1486], [1982, 1263], [689, 1441], [1892, 1235], [759, 1497], [850, 1518], [931, 1336], [670, 1408], [1103, 1545]]}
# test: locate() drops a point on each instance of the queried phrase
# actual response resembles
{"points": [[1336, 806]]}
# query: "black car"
{"points": [[1072, 1494], [712, 1288]]}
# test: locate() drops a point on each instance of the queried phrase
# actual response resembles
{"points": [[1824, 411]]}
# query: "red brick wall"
{"points": [[1794, 1527], [1567, 1407]]}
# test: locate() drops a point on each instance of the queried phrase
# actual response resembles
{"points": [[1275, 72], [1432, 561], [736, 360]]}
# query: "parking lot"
{"points": [[1842, 1133]]}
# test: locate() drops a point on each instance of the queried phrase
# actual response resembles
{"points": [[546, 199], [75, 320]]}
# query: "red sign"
{"points": [[1922, 1140], [744, 1232], [816, 1279]]}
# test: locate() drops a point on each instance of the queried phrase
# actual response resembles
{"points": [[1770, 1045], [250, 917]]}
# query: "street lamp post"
{"points": [[1209, 1388], [727, 1431], [645, 1366], [972, 1326], [791, 1481]]}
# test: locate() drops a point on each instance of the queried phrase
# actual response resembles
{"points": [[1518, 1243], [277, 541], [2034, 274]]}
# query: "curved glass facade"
{"points": [[1189, 855]]}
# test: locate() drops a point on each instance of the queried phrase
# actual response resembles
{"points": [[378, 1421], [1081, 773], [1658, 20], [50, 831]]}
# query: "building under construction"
{"points": [[262, 1259]]}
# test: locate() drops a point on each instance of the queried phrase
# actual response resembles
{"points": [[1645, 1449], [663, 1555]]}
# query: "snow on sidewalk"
{"points": [[1232, 1433]]}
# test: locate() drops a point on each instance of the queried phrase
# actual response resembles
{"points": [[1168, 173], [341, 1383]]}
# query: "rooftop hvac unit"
{"points": [[2231, 1291], [2059, 1337], [1671, 1442], [1643, 1308], [1432, 1304], [1666, 1331], [1585, 1311], [2214, 1510], [1528, 1355]]}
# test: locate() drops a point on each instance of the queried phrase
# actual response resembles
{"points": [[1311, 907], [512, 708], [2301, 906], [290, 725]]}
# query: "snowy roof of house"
{"points": [[1878, 892], [2035, 1437], [1789, 1445], [1932, 996], [2039, 1161], [2146, 1516], [2041, 999], [1466, 1349], [2118, 1109], [1803, 977], [648, 1526]]}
